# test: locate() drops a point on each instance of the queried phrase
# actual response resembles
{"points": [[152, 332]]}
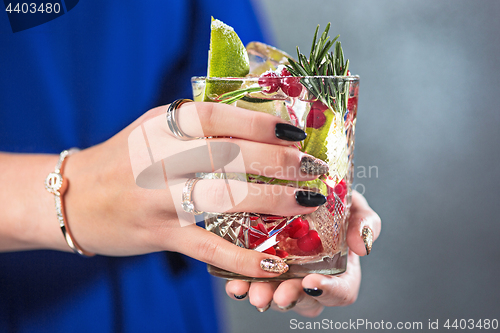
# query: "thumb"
{"points": [[364, 226], [205, 246]]}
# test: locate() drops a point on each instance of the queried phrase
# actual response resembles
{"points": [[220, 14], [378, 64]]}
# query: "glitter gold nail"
{"points": [[367, 235], [274, 265], [264, 309], [313, 166], [286, 308]]}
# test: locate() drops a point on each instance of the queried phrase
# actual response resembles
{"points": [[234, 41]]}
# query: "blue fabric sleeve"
{"points": [[75, 82]]}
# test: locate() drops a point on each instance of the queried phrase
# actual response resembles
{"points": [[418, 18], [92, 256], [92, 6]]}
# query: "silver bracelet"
{"points": [[57, 185]]}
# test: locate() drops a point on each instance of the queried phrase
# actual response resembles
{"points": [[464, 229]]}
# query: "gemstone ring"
{"points": [[187, 201]]}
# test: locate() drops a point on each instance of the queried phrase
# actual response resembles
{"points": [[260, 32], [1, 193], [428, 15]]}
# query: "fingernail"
{"points": [[309, 198], [264, 309], [313, 166], [291, 305], [274, 265], [367, 235], [241, 296], [289, 132], [315, 292]]}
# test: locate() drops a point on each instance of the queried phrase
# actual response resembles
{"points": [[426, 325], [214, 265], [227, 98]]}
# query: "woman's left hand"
{"points": [[308, 296]]}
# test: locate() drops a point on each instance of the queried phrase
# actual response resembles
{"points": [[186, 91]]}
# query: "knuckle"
{"points": [[239, 261], [224, 151], [209, 118], [282, 157], [253, 125], [274, 197], [211, 252], [218, 196], [207, 250]]}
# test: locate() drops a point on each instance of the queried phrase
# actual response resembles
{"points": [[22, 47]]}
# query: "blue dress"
{"points": [[75, 82]]}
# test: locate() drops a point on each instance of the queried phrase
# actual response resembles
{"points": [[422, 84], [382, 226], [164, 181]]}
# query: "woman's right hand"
{"points": [[110, 214]]}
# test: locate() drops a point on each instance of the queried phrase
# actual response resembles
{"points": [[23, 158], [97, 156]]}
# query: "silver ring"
{"points": [[172, 120], [187, 202]]}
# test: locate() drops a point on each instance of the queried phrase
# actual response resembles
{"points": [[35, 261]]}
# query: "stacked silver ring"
{"points": [[172, 120], [187, 201]]}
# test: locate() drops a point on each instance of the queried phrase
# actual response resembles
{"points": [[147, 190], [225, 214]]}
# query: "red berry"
{"points": [[304, 228], [254, 218], [297, 228], [319, 105], [285, 72], [274, 227], [291, 228], [309, 242], [291, 86], [316, 118], [270, 82]]}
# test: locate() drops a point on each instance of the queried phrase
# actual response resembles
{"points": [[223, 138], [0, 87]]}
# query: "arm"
{"points": [[110, 215], [27, 212]]}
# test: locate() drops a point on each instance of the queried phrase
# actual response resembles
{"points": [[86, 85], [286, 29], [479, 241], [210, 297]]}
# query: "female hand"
{"points": [[308, 296], [110, 214]]}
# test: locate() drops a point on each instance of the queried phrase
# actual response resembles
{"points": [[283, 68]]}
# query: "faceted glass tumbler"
{"points": [[325, 107]]}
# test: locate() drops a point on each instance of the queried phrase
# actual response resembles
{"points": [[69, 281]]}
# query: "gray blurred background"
{"points": [[428, 120]]}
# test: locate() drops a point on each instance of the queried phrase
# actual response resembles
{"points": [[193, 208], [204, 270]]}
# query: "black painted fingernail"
{"points": [[313, 292], [309, 198], [289, 132], [240, 296]]}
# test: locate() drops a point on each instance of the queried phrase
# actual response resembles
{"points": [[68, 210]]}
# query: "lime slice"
{"points": [[227, 58], [261, 105], [329, 143]]}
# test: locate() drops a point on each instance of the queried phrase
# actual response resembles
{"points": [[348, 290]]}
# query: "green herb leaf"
{"points": [[321, 63]]}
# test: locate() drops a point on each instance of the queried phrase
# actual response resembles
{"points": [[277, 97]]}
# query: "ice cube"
{"points": [[265, 57]]}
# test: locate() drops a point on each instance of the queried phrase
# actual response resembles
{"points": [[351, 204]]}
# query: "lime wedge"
{"points": [[227, 58], [329, 143]]}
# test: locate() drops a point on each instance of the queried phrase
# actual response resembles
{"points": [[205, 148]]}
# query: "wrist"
{"points": [[57, 184], [82, 198]]}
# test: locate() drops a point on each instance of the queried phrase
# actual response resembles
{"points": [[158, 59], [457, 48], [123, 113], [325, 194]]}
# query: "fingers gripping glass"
{"points": [[325, 107]]}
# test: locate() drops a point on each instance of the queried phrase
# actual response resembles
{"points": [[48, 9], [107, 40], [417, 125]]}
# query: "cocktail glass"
{"points": [[311, 243]]}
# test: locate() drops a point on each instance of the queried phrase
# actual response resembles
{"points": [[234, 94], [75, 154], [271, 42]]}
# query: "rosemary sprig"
{"points": [[332, 93], [233, 96]]}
